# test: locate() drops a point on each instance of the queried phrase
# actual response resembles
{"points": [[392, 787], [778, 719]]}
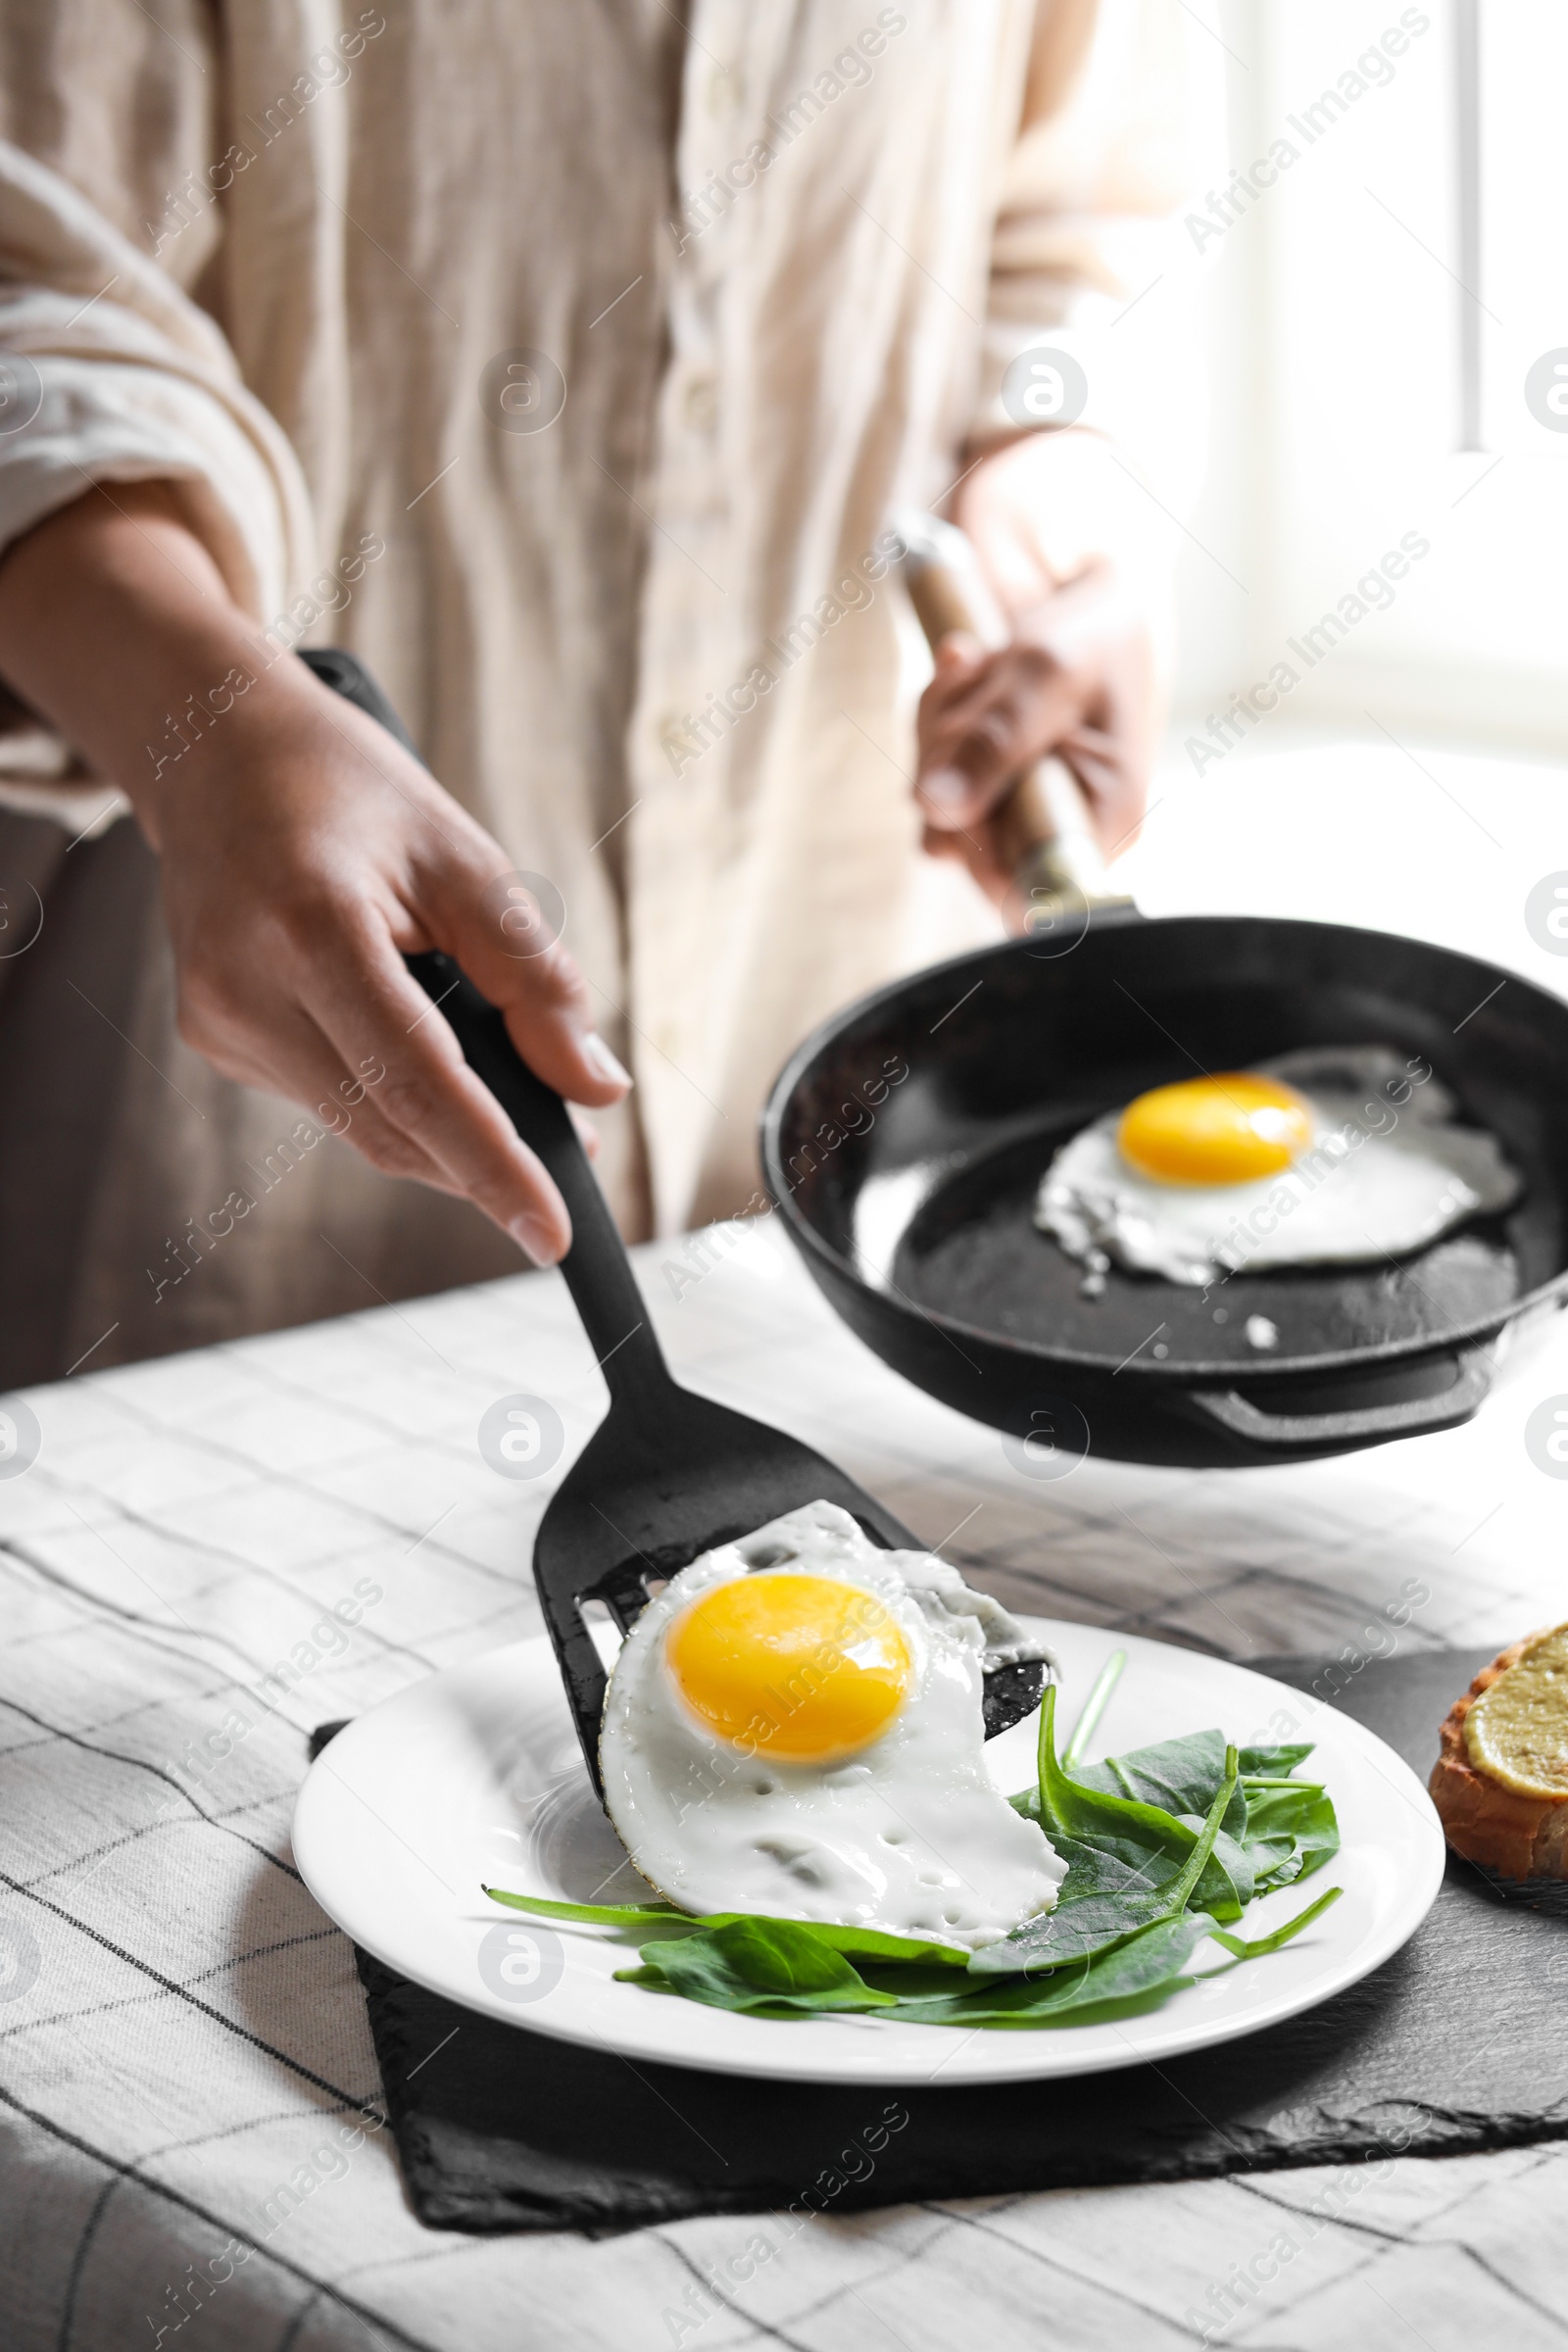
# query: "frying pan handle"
{"points": [[1044, 829], [1407, 1417], [604, 1290]]}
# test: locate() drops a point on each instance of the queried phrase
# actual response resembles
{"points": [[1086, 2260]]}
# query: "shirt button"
{"points": [[702, 404], [679, 747], [725, 88]]}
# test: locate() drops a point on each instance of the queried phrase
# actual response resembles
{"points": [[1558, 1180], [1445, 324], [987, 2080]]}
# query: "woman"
{"points": [[566, 365]]}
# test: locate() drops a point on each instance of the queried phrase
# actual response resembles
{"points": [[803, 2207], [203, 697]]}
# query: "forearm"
{"points": [[117, 626]]}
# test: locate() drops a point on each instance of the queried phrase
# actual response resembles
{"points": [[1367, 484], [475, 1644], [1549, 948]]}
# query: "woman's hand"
{"points": [[303, 853], [1080, 675]]}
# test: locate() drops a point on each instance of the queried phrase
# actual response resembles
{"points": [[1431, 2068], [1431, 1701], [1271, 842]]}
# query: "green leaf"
{"points": [[1094, 1706], [1275, 1862], [1275, 1830], [1152, 1865], [1263, 1945], [913, 1984], [1226, 1887], [1077, 1810], [1152, 1961], [1179, 1776], [609, 1915], [1138, 1827], [1210, 1835], [1102, 1900], [1106, 1899], [1302, 1814], [761, 1963], [1263, 1760], [872, 1942]]}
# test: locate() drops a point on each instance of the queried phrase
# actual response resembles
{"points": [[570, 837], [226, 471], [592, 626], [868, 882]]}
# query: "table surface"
{"points": [[181, 2030]]}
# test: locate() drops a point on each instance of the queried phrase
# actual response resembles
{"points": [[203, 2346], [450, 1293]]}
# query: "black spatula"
{"points": [[666, 1474]]}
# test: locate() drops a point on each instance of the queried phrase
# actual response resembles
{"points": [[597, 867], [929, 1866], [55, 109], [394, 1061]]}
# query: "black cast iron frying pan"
{"points": [[909, 1198]]}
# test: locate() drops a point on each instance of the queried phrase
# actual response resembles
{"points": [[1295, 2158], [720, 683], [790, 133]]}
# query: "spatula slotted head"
{"points": [[648, 1492]]}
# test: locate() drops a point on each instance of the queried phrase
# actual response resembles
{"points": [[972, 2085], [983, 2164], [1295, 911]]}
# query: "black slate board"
{"points": [[1455, 2045]]}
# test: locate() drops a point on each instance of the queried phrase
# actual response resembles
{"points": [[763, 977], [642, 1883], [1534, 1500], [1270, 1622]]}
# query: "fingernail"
{"points": [[946, 789], [532, 1234], [596, 1051]]}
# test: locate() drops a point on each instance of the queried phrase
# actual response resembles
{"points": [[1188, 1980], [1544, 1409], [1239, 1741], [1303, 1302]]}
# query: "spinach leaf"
{"points": [[1074, 1809], [772, 1964], [1135, 1830], [1281, 1760], [1262, 1944], [1275, 1828], [1275, 1862], [1104, 1901], [1179, 1774], [611, 1915], [1152, 1961], [1155, 1865], [1094, 1706], [871, 1943], [1302, 1813], [860, 1944], [1227, 1885], [1104, 1898]]}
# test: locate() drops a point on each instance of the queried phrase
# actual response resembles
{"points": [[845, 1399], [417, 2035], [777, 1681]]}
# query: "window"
{"points": [[1390, 251]]}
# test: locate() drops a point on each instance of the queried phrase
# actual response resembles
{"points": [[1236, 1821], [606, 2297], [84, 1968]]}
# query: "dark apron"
{"points": [[146, 1204]]}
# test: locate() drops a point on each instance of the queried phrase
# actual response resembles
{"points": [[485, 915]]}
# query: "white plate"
{"points": [[475, 1777]]}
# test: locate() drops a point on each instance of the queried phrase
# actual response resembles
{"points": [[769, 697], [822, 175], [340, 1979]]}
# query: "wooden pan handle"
{"points": [[1043, 828]]}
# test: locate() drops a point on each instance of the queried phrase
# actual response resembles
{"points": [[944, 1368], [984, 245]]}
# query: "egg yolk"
{"points": [[1230, 1129], [803, 1668]]}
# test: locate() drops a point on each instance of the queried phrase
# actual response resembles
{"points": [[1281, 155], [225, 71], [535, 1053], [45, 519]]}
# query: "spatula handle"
{"points": [[604, 1290]]}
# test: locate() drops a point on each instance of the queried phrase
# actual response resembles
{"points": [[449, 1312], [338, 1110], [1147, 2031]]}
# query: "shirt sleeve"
{"points": [[1101, 160], [111, 371]]}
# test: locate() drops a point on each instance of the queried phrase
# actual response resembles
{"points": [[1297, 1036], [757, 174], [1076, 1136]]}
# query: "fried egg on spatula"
{"points": [[1334, 1155], [794, 1726]]}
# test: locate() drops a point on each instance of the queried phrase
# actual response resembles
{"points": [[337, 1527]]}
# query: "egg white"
{"points": [[1381, 1178], [909, 1834]]}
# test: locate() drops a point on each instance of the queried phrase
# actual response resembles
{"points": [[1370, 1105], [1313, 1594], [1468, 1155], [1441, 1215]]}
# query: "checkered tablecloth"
{"points": [[191, 2139]]}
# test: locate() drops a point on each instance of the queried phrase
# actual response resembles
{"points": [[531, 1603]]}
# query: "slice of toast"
{"points": [[1518, 1837]]}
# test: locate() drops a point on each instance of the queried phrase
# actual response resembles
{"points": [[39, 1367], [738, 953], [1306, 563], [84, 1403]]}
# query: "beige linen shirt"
{"points": [[568, 371]]}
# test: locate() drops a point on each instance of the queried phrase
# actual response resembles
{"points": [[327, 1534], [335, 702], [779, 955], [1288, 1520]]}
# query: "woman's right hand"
{"points": [[303, 853]]}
